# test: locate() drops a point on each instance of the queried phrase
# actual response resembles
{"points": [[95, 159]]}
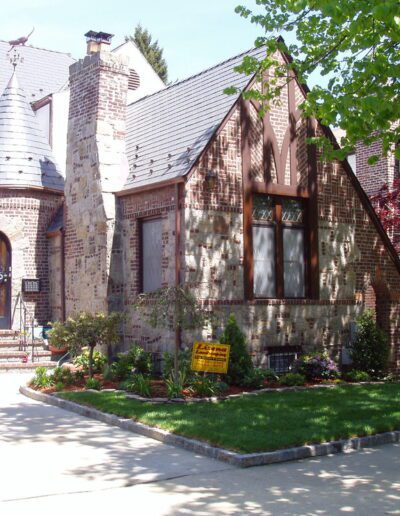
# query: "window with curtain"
{"points": [[151, 254], [279, 265]]}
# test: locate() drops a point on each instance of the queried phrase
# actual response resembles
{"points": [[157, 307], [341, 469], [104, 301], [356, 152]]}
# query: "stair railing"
{"points": [[22, 323], [23, 327]]}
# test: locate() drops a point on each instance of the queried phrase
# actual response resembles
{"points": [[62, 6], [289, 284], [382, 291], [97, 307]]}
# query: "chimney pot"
{"points": [[97, 41]]}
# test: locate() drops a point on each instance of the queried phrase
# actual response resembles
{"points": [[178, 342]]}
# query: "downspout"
{"points": [[63, 274], [178, 331]]}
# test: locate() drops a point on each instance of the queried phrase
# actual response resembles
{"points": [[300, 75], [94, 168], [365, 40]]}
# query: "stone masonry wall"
{"points": [[24, 218], [95, 169]]}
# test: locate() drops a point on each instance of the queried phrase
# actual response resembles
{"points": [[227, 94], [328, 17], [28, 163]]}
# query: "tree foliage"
{"points": [[355, 43], [151, 51]]}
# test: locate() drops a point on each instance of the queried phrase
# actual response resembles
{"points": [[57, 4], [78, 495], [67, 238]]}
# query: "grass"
{"points": [[269, 421]]}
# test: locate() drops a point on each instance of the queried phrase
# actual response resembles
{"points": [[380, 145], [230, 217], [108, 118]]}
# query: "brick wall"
{"points": [[24, 218], [133, 209], [373, 177]]}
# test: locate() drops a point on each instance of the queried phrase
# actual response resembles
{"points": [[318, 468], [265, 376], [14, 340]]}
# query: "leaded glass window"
{"points": [[279, 263]]}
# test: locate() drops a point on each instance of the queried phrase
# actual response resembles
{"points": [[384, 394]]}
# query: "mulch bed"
{"points": [[158, 387]]}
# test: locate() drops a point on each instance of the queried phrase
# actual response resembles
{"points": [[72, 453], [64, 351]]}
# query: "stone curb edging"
{"points": [[256, 392], [202, 448]]}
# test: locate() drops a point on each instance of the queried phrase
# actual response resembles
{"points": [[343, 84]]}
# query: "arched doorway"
{"points": [[5, 282]]}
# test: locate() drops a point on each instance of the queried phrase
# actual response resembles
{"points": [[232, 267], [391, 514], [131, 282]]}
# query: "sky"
{"points": [[194, 34]]}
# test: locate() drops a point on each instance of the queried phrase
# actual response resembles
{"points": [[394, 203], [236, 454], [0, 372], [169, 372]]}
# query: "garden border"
{"points": [[222, 454]]}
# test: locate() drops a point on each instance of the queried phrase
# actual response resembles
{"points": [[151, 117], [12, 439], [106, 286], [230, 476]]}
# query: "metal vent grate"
{"points": [[133, 80]]}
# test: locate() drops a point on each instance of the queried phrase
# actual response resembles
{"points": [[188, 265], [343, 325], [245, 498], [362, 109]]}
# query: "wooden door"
{"points": [[5, 283]]}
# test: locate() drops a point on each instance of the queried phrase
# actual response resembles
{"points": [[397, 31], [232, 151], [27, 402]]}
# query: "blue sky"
{"points": [[194, 34]]}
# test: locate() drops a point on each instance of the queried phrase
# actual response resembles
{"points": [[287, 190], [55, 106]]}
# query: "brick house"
{"points": [[188, 185]]}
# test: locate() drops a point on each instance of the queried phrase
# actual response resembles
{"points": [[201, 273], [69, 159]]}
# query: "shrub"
{"points": [[205, 386], [122, 368], [222, 387], [258, 377], [292, 379], [62, 375], [41, 378], [184, 362], [136, 360], [99, 361], [79, 376], [356, 376], [140, 359], [316, 366], [139, 384], [370, 351], [59, 386], [240, 364], [93, 383]]}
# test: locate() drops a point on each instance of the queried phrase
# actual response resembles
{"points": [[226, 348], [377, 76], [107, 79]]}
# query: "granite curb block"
{"points": [[256, 392], [233, 458]]}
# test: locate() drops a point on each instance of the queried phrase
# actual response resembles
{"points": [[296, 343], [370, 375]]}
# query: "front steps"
{"points": [[14, 356]]}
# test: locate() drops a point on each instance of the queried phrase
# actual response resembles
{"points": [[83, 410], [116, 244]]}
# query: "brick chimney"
{"points": [[96, 168]]}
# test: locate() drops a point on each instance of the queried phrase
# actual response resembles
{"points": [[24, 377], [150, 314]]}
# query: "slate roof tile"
{"points": [[40, 73], [26, 158], [167, 131]]}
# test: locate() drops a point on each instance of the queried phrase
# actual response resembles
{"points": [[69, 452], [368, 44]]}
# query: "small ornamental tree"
{"points": [[387, 205], [172, 308], [240, 364], [370, 351], [87, 330]]}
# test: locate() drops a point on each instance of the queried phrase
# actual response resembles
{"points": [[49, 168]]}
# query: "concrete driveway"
{"points": [[55, 462]]}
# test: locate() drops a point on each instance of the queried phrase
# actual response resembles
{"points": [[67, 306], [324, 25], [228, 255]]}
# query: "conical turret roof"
{"points": [[26, 158]]}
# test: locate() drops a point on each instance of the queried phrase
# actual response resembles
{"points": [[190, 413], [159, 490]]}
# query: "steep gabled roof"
{"points": [[167, 131], [40, 73], [26, 159]]}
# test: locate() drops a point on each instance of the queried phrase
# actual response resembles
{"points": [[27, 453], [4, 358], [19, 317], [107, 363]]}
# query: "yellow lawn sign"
{"points": [[210, 357]]}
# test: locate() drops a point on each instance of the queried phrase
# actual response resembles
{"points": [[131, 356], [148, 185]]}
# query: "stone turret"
{"points": [[96, 168]]}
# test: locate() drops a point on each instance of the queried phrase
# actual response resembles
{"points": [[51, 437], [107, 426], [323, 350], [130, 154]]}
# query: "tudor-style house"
{"points": [[185, 185]]}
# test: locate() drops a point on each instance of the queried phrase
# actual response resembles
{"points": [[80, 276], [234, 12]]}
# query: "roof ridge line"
{"points": [[177, 83], [41, 48]]}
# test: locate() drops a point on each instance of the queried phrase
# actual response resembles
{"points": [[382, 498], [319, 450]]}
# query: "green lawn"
{"points": [[269, 421]]}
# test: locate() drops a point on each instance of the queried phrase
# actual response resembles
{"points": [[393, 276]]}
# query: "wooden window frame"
{"points": [[279, 226], [308, 192], [141, 221]]}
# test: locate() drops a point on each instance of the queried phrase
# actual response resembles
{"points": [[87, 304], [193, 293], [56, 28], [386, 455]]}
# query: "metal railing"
{"points": [[23, 328]]}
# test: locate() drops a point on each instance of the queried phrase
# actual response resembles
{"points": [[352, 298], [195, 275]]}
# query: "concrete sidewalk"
{"points": [[55, 462]]}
